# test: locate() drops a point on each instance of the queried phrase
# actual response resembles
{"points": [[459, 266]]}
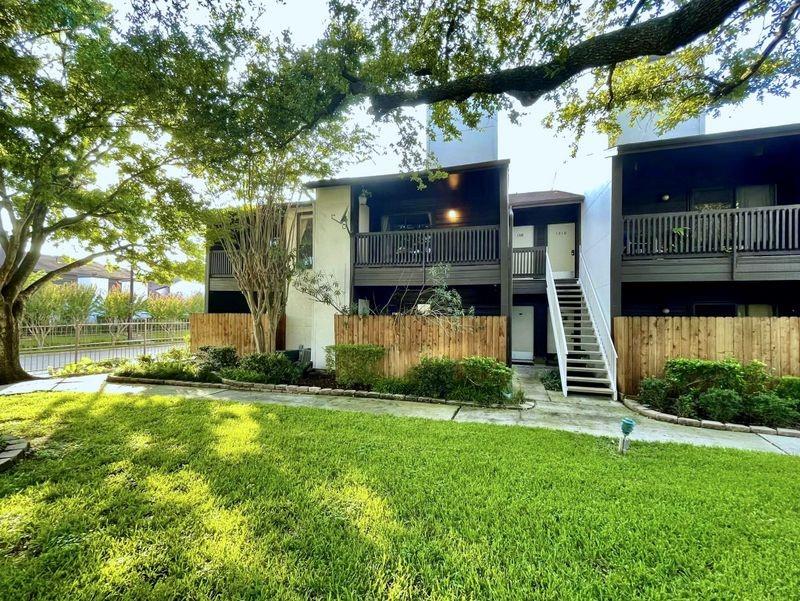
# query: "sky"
{"points": [[540, 158]]}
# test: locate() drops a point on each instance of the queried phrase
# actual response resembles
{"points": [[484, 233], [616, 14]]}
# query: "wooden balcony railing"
{"points": [[529, 262], [457, 245], [718, 231], [219, 264]]}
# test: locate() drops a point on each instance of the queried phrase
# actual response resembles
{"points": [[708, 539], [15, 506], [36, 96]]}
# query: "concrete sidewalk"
{"points": [[587, 415]]}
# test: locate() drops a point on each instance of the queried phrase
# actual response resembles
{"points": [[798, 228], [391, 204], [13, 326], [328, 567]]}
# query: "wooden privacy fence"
{"points": [[409, 338], [645, 343], [227, 329]]}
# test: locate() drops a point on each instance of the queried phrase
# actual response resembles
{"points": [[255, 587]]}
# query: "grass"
{"points": [[166, 497]]}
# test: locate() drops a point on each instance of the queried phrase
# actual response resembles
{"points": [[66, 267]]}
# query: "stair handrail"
{"points": [[599, 322], [556, 323]]}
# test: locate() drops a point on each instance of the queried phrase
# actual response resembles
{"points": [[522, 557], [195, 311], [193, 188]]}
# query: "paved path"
{"points": [[584, 414]]}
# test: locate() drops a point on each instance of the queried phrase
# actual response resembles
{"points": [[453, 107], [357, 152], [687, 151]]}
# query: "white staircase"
{"points": [[587, 369]]}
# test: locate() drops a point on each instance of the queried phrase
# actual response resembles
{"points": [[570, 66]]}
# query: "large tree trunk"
{"points": [[260, 337], [10, 368]]}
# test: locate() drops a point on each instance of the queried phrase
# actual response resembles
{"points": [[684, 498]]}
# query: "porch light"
{"points": [[452, 215], [627, 427], [362, 198], [665, 197], [453, 180]]}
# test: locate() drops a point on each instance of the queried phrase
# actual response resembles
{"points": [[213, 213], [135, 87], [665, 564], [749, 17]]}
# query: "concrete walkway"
{"points": [[588, 415]]}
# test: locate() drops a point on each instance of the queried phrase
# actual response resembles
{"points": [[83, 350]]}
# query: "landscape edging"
{"points": [[292, 389], [15, 447], [633, 405]]}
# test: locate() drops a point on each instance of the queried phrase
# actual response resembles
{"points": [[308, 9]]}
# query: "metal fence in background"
{"points": [[54, 346]]}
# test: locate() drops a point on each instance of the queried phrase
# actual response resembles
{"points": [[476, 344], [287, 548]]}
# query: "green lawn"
{"points": [[131, 497]]}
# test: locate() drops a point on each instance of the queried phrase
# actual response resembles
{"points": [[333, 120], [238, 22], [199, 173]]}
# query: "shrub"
{"points": [[355, 365], [86, 366], [788, 387], [433, 377], [551, 379], [393, 386], [162, 370], [720, 404], [769, 409], [484, 380], [658, 394], [276, 368], [212, 359], [757, 378], [243, 375], [699, 375], [685, 406]]}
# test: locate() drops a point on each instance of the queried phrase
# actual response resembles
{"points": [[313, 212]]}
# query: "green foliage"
{"points": [[698, 375], [170, 307], [657, 394], [788, 387], [355, 365], [434, 377], [686, 406], [719, 404], [392, 385], [483, 380], [551, 380], [213, 359], [119, 306], [772, 410], [274, 368], [77, 303], [724, 391], [480, 380], [756, 378], [246, 375], [175, 364], [86, 366]]}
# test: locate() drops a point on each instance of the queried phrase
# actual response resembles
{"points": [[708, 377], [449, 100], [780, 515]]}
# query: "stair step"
{"points": [[583, 363], [589, 379], [574, 352], [598, 369], [590, 390]]}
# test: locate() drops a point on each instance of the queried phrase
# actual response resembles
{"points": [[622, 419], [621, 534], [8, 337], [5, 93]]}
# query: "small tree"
{"points": [[167, 309], [258, 239], [78, 303], [118, 309], [41, 312]]}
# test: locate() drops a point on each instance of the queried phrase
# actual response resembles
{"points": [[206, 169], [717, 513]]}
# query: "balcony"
{"points": [[219, 265], [389, 258], [721, 245], [529, 263], [454, 246]]}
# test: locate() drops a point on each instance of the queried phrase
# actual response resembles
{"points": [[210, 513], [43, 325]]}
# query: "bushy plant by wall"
{"points": [[274, 368], [481, 380], [725, 391], [355, 365], [213, 359], [433, 377], [176, 364]]}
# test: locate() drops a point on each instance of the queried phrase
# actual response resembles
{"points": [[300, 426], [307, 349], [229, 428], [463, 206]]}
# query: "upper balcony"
{"points": [[761, 243]]}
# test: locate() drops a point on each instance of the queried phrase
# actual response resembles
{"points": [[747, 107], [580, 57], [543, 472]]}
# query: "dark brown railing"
{"points": [[717, 231], [529, 262], [219, 264], [457, 245]]}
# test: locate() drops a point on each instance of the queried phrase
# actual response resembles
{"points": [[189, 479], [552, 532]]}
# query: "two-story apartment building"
{"points": [[707, 225]]}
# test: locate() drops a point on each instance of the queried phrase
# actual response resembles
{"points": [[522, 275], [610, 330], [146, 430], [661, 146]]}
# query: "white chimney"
{"points": [[475, 146]]}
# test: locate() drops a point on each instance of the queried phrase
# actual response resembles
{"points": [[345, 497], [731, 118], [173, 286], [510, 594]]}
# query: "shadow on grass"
{"points": [[167, 497]]}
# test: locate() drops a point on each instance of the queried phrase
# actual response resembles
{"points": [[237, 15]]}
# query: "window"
{"points": [[305, 241], [407, 221], [710, 199]]}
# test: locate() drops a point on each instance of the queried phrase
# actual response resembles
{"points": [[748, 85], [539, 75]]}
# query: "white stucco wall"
{"points": [[309, 323], [596, 240]]}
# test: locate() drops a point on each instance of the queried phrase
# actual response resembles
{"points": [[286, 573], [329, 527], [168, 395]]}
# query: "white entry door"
{"points": [[522, 333], [523, 236], [561, 248]]}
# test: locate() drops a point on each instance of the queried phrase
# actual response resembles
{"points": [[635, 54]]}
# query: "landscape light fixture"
{"points": [[452, 215], [627, 427]]}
